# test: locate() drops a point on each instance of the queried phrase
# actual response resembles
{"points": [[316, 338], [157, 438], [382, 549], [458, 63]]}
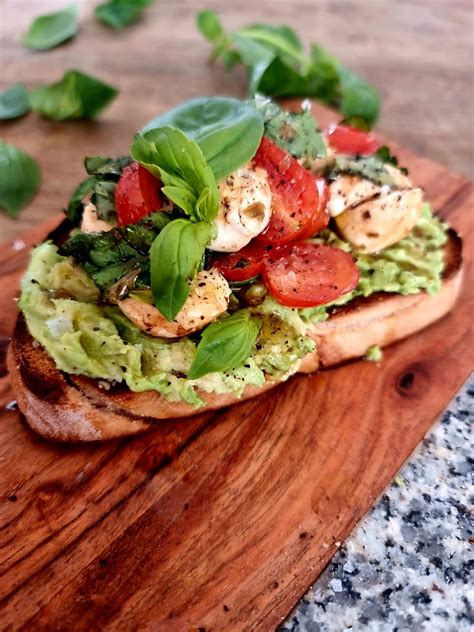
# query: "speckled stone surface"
{"points": [[407, 566]]}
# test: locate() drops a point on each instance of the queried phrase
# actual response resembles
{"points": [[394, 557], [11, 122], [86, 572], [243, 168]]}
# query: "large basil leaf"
{"points": [[118, 14], [75, 96], [228, 131], [14, 102], [180, 164], [174, 260], [20, 179], [296, 132], [278, 65], [48, 31], [225, 344]]}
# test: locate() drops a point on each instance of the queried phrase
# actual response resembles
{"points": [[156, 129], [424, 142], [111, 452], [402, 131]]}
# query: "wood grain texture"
{"points": [[417, 52], [222, 522]]}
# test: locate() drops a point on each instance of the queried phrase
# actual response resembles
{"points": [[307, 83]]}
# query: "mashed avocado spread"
{"points": [[59, 300], [61, 305]]}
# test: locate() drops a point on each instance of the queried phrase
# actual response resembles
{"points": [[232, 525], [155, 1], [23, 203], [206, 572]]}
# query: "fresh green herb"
{"points": [[48, 31], [101, 165], [356, 121], [278, 65], [117, 14], [370, 167], [225, 344], [227, 131], [14, 102], [174, 260], [296, 132], [75, 96], [20, 179], [107, 257], [385, 156], [180, 164], [99, 188]]}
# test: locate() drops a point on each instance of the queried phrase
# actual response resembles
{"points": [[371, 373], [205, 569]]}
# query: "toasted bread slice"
{"points": [[74, 408]]}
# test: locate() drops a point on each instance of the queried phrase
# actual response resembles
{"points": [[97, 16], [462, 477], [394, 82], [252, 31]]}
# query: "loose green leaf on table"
{"points": [[225, 344], [14, 102], [75, 96], [48, 31], [228, 131], [174, 260], [20, 179], [118, 14], [278, 65], [179, 163]]}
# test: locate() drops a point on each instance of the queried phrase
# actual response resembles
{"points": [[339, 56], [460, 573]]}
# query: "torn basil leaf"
{"points": [[20, 179], [48, 31], [75, 96], [370, 167], [14, 102], [295, 132]]}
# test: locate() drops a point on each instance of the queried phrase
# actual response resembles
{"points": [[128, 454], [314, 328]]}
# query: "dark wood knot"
{"points": [[412, 382]]}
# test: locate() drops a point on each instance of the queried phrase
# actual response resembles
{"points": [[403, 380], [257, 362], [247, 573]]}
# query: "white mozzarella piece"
{"points": [[382, 221], [208, 299], [91, 223], [245, 209]]}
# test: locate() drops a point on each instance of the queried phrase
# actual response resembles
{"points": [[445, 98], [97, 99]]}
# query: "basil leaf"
{"points": [[14, 102], [227, 131], [296, 132], [225, 344], [278, 65], [356, 121], [210, 26], [101, 165], [178, 161], [48, 31], [370, 167], [75, 96], [118, 14], [383, 153], [76, 206], [174, 260], [20, 179]]}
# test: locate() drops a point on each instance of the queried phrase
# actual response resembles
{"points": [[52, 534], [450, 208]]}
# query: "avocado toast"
{"points": [[237, 246]]}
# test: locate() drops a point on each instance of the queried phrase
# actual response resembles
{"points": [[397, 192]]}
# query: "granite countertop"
{"points": [[407, 565]]}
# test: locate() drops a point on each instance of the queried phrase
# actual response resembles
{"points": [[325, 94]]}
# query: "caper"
{"points": [[254, 294]]}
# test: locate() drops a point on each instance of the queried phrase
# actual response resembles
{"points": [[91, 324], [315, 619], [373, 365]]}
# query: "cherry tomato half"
{"points": [[242, 265], [137, 194], [295, 198], [352, 141], [307, 274]]}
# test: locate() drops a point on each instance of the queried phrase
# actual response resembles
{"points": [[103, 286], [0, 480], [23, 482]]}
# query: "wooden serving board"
{"points": [[220, 522]]}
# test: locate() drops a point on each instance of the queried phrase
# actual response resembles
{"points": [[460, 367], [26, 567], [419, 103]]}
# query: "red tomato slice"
{"points": [[350, 140], [314, 226], [137, 194], [295, 198], [242, 265], [307, 274]]}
